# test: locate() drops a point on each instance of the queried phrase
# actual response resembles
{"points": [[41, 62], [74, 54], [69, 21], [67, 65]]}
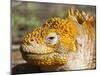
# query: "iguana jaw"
{"points": [[47, 57]]}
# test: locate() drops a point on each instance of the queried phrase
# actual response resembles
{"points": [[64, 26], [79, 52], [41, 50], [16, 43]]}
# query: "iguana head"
{"points": [[49, 44], [45, 47]]}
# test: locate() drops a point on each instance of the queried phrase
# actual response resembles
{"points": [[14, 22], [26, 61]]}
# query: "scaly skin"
{"points": [[62, 44]]}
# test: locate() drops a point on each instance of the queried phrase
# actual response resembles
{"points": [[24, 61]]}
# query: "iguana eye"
{"points": [[51, 38]]}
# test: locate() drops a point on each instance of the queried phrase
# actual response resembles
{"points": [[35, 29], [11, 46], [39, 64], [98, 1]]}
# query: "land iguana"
{"points": [[62, 44]]}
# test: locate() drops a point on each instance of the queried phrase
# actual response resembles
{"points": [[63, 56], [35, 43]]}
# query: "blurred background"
{"points": [[26, 16]]}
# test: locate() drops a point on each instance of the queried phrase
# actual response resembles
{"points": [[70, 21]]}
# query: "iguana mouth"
{"points": [[42, 55], [46, 59]]}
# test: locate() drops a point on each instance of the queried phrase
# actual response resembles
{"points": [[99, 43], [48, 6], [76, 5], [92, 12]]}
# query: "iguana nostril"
{"points": [[32, 40]]}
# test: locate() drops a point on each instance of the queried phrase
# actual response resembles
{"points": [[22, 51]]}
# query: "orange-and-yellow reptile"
{"points": [[62, 44]]}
